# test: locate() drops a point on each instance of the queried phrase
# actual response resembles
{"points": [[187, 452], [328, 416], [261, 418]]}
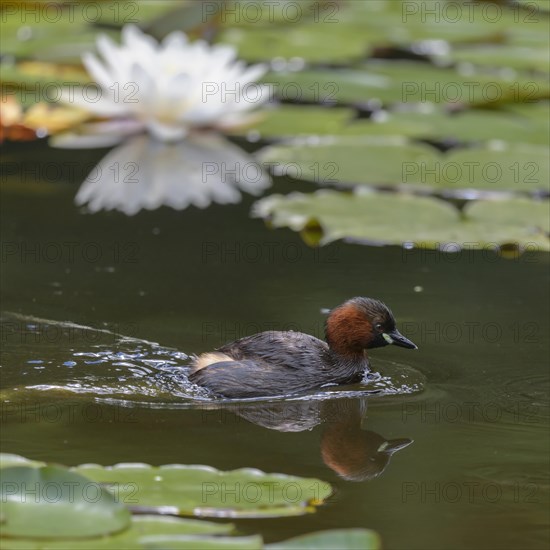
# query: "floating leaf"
{"points": [[388, 218], [422, 82], [146, 532], [33, 82], [512, 221], [343, 539], [30, 478], [495, 167], [539, 5], [205, 491], [356, 27], [292, 120], [118, 13], [469, 126], [502, 55], [8, 460], [189, 16], [178, 542], [406, 82], [283, 12], [404, 23], [532, 111], [392, 161], [338, 85], [50, 43], [48, 31], [53, 118], [50, 501], [347, 160], [307, 42]]}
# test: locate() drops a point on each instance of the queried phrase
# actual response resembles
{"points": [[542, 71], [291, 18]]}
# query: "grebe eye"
{"points": [[378, 326]]}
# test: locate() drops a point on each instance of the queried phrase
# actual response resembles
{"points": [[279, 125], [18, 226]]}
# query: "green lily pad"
{"points": [[161, 18], [308, 42], [394, 162], [406, 82], [422, 82], [389, 218], [293, 120], [178, 542], [531, 111], [525, 221], [119, 13], [344, 539], [51, 501], [8, 459], [148, 532], [255, 13], [33, 81], [62, 41], [404, 22], [340, 85], [502, 55], [354, 27], [498, 166], [469, 126], [207, 492], [534, 6], [347, 160]]}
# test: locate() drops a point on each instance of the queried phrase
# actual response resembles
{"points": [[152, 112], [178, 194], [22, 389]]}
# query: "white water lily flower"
{"points": [[169, 87]]}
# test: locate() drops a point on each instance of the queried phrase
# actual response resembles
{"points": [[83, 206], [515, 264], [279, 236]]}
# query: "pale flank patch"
{"points": [[209, 359]]}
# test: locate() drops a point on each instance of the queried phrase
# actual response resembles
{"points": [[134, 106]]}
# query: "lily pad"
{"points": [[118, 13], [256, 13], [293, 120], [354, 27], [425, 83], [404, 220], [348, 539], [395, 162], [469, 126], [149, 532], [179, 542], [502, 55], [404, 23], [497, 166], [307, 42], [347, 160], [337, 85], [207, 492], [47, 78], [8, 459], [50, 501], [54, 31], [540, 5], [50, 43], [532, 111], [407, 82]]}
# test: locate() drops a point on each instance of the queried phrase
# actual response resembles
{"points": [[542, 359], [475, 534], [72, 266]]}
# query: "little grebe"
{"points": [[282, 363]]}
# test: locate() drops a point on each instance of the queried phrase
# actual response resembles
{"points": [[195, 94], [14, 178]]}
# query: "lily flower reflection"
{"points": [[168, 88], [144, 173]]}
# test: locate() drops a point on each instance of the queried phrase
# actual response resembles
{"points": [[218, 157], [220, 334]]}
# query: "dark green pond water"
{"points": [[473, 399]]}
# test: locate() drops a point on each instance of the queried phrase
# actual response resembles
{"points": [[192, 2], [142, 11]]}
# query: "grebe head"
{"points": [[363, 323]]}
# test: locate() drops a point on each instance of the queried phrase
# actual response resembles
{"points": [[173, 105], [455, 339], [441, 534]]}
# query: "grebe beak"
{"points": [[397, 339], [393, 445]]}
